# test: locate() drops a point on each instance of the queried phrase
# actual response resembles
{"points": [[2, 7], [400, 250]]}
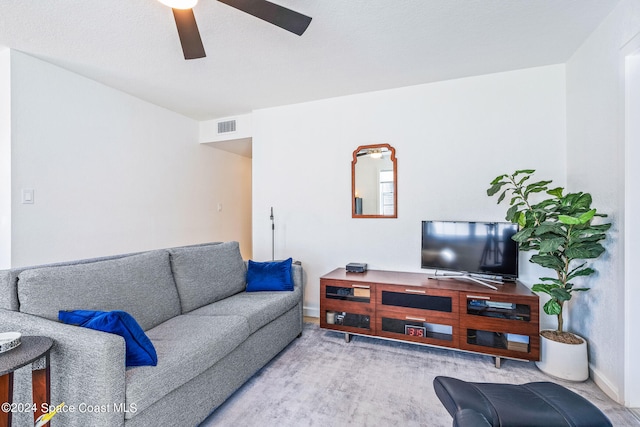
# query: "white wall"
{"points": [[451, 138], [113, 173], [595, 134], [5, 158], [632, 231]]}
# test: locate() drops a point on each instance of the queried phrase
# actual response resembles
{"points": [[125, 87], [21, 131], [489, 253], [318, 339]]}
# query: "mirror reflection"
{"points": [[374, 182]]}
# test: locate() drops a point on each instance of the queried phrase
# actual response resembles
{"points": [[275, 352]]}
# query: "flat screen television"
{"points": [[471, 248]]}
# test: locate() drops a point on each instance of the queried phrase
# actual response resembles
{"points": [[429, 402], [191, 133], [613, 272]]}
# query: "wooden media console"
{"points": [[441, 312]]}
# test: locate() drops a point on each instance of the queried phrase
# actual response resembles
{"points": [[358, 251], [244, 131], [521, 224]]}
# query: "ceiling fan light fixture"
{"points": [[190, 39], [179, 4], [375, 153]]}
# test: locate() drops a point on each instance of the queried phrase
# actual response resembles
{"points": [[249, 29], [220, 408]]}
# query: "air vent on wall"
{"points": [[227, 126]]}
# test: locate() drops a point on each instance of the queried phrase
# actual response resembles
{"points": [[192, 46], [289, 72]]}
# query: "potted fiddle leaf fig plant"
{"points": [[560, 229]]}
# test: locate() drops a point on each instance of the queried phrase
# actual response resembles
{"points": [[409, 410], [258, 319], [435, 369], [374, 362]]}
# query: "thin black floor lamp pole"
{"points": [[273, 230]]}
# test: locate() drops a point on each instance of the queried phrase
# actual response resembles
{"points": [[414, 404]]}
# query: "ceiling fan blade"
{"points": [[275, 14], [189, 35]]}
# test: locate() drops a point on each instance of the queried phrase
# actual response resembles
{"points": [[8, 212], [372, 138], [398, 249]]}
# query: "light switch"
{"points": [[27, 197], [219, 207]]}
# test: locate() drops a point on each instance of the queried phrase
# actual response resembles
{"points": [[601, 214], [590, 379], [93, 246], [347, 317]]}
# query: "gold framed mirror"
{"points": [[374, 182]]}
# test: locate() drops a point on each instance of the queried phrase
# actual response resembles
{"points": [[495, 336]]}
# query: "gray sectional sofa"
{"points": [[209, 334]]}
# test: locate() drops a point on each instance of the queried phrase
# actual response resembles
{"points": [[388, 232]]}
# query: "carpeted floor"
{"points": [[320, 380]]}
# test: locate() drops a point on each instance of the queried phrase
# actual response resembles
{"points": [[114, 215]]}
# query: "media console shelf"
{"points": [[433, 311]]}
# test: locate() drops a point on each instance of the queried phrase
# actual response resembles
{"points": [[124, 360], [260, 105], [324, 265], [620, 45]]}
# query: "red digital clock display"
{"points": [[415, 331]]}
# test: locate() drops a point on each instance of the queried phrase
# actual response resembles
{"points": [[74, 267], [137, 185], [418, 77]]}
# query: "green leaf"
{"points": [[551, 279], [521, 171], [583, 272], [581, 289], [536, 187], [523, 235], [583, 201], [560, 294], [569, 220], [501, 198], [552, 307], [555, 192], [577, 268], [527, 219], [535, 190], [522, 219], [498, 179], [601, 227], [586, 217], [512, 213], [551, 245], [543, 287], [583, 236], [548, 227], [548, 261], [586, 251], [495, 188]]}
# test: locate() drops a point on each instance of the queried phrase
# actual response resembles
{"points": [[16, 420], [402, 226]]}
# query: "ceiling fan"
{"points": [[275, 14]]}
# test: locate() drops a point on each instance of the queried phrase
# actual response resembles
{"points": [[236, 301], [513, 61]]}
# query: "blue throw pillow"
{"points": [[140, 350], [269, 276]]}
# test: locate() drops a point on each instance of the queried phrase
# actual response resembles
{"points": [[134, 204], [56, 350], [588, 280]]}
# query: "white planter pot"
{"points": [[565, 361]]}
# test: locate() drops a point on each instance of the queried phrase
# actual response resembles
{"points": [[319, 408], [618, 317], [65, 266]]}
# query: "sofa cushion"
{"points": [[142, 285], [269, 276], [207, 274], [138, 347], [186, 346], [259, 308]]}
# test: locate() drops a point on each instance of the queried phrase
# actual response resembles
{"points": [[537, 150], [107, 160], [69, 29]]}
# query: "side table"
{"points": [[33, 349]]}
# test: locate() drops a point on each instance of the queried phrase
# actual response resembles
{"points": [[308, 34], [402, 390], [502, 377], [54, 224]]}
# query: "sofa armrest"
{"points": [[297, 272], [87, 372]]}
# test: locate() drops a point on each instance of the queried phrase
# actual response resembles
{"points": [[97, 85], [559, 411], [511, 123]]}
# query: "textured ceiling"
{"points": [[351, 46]]}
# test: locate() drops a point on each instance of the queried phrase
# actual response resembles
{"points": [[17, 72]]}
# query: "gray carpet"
{"points": [[320, 380]]}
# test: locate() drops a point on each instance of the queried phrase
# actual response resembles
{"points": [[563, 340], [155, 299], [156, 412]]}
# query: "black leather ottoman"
{"points": [[509, 405]]}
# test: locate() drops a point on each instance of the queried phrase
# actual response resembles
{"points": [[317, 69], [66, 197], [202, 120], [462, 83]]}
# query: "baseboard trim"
{"points": [[605, 385], [311, 311]]}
